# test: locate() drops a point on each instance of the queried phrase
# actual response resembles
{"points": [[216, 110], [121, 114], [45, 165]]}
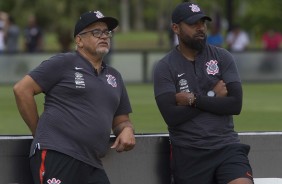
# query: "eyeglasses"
{"points": [[98, 33]]}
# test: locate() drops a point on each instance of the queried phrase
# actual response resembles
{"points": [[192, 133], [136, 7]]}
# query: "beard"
{"points": [[194, 43], [102, 51]]}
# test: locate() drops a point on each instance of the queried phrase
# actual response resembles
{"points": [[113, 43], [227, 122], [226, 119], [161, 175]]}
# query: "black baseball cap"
{"points": [[189, 13], [93, 16]]}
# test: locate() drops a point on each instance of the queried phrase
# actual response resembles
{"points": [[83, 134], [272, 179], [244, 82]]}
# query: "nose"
{"points": [[104, 36], [201, 25]]}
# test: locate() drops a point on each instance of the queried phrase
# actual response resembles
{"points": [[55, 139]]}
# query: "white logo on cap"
{"points": [[195, 8], [99, 14]]}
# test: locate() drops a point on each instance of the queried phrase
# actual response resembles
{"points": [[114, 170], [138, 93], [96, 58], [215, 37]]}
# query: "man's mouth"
{"points": [[105, 44], [200, 36]]}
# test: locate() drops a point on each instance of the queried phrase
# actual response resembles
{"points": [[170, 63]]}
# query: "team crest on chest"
{"points": [[212, 67], [111, 80]]}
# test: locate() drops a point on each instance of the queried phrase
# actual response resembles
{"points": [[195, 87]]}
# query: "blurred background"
{"points": [[144, 24], [34, 30]]}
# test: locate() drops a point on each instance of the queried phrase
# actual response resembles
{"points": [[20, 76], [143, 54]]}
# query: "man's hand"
{"points": [[220, 89], [185, 98], [124, 132], [125, 140]]}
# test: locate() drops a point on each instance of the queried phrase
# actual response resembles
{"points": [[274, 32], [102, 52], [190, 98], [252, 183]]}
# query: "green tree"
{"points": [[59, 17], [56, 16]]}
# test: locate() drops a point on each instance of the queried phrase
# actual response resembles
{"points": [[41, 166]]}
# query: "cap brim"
{"points": [[195, 18], [111, 22]]}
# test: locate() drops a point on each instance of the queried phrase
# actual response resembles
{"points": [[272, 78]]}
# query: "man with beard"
{"points": [[84, 100], [197, 90]]}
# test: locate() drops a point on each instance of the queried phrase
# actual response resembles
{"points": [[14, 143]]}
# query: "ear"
{"points": [[78, 41], [175, 28]]}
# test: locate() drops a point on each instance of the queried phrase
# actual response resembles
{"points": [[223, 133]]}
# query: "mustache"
{"points": [[202, 34], [104, 42]]}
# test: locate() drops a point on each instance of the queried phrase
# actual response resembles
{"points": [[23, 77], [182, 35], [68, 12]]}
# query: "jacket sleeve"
{"points": [[173, 114], [229, 105]]}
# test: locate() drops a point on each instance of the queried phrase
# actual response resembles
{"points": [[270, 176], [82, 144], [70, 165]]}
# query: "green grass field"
{"points": [[261, 110]]}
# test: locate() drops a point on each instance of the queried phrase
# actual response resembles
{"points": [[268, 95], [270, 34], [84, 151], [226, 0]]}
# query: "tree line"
{"points": [[142, 15]]}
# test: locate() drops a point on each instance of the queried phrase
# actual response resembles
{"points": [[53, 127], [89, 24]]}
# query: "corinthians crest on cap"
{"points": [[91, 17], [189, 13], [195, 8], [99, 14]]}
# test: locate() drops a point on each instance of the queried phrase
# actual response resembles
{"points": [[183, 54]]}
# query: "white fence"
{"points": [[148, 162], [137, 66]]}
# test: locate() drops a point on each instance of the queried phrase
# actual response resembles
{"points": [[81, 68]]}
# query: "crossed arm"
{"points": [[228, 100], [178, 108]]}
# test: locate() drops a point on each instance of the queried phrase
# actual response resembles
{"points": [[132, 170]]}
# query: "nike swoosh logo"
{"points": [[77, 68], [179, 75]]}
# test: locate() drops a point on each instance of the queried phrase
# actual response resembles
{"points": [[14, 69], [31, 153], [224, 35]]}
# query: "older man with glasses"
{"points": [[84, 100]]}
